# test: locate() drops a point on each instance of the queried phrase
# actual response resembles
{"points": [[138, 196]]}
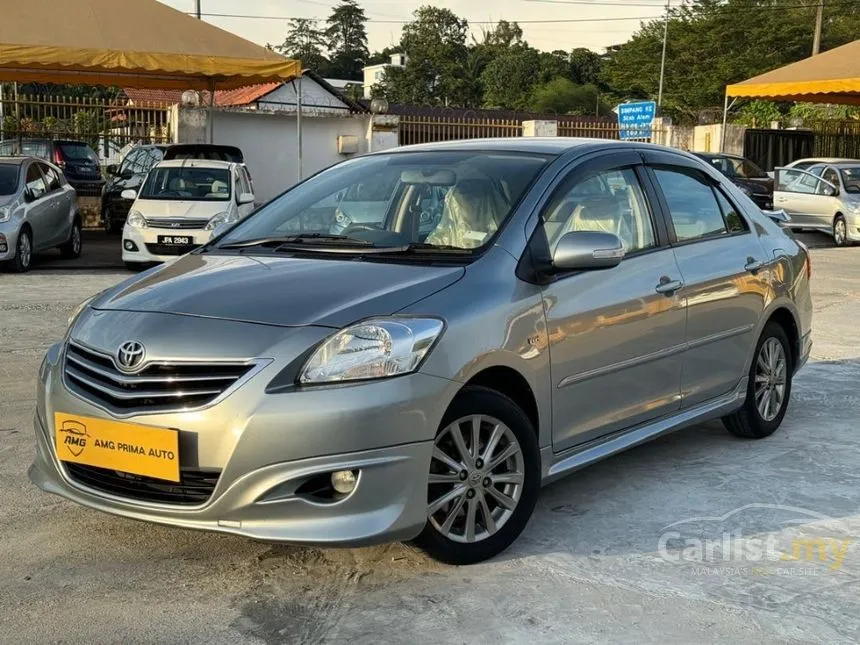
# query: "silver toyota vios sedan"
{"points": [[420, 374]]}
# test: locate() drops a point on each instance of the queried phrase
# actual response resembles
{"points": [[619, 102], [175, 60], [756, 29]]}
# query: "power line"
{"points": [[623, 3], [471, 22]]}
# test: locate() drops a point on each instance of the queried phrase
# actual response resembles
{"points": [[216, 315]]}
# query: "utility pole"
{"points": [[663, 57], [197, 9], [819, 15]]}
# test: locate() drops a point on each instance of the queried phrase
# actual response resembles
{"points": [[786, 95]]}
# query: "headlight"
{"points": [[853, 207], [136, 220], [376, 348], [5, 213], [220, 218]]}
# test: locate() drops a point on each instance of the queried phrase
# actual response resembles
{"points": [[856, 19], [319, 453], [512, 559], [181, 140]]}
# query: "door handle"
{"points": [[782, 200], [753, 265], [668, 286]]}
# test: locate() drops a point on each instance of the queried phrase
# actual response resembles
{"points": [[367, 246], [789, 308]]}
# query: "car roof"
{"points": [[716, 155], [846, 163], [14, 161], [831, 160], [195, 163], [537, 145]]}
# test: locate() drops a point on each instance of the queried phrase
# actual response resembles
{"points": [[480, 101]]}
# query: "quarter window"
{"points": [[51, 177], [734, 221], [609, 201], [693, 206]]}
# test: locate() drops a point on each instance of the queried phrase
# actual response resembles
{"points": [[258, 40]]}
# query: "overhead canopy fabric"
{"points": [[830, 77], [130, 43]]}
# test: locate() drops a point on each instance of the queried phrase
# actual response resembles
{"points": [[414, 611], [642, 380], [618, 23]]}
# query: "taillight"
{"points": [[58, 158]]}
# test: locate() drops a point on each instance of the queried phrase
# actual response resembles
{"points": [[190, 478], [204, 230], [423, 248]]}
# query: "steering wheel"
{"points": [[357, 228]]}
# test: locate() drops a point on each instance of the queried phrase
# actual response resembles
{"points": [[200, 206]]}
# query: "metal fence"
{"points": [[107, 126], [836, 138], [431, 128]]}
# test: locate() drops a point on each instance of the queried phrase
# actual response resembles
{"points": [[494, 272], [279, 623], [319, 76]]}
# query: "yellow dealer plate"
{"points": [[126, 447]]}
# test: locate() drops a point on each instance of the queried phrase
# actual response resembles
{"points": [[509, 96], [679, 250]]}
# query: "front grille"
{"points": [[166, 249], [176, 222], [194, 487], [158, 387]]}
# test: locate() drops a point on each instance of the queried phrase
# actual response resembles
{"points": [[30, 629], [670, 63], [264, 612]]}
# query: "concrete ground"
{"points": [[599, 562]]}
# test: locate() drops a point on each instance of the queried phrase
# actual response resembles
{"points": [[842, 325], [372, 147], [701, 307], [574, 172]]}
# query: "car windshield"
{"points": [[73, 151], [443, 200], [737, 167], [8, 179], [851, 178], [187, 183]]}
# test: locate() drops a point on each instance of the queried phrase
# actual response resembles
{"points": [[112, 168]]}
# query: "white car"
{"points": [[179, 205]]}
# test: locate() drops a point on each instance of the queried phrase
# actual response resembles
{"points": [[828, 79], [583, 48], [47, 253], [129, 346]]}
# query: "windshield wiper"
{"points": [[420, 247], [301, 238]]}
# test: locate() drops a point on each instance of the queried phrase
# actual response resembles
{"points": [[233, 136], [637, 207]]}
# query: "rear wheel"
{"points": [[769, 387], [484, 478], [23, 252], [840, 231], [72, 248]]}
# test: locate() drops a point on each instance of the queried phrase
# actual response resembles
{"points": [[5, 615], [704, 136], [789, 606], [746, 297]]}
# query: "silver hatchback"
{"points": [[422, 373], [38, 211]]}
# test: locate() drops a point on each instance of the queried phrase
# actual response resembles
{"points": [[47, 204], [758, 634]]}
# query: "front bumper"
{"points": [[148, 250], [384, 430], [9, 230]]}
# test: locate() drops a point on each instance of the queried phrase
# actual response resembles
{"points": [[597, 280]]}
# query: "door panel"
{"points": [[39, 209], [616, 342], [616, 347], [57, 208]]}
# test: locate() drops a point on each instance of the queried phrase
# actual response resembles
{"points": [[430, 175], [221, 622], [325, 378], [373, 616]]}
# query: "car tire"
{"points": [[71, 249], [112, 227], [840, 231], [23, 252], [771, 368], [495, 500]]}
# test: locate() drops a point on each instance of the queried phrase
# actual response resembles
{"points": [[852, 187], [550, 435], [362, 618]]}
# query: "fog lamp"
{"points": [[343, 481]]}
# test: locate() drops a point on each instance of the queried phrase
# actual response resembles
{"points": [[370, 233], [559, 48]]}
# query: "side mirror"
{"points": [[587, 250], [779, 216], [830, 191], [245, 198], [112, 169], [129, 194], [126, 174], [28, 195]]}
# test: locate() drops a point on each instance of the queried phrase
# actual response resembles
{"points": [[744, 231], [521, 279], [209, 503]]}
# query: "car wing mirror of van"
{"points": [[587, 250], [779, 216], [829, 189], [126, 174], [129, 194], [245, 198], [112, 169]]}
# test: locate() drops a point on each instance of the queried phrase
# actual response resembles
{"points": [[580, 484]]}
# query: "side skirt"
{"points": [[556, 466]]}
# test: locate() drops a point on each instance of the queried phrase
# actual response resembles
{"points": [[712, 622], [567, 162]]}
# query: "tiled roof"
{"points": [[224, 98], [161, 97]]}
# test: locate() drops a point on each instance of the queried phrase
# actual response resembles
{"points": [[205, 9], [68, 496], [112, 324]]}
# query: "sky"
{"points": [[593, 30]]}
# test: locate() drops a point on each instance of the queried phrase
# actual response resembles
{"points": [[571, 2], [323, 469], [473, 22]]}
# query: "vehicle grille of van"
{"points": [[166, 249], [176, 222], [193, 488], [158, 387]]}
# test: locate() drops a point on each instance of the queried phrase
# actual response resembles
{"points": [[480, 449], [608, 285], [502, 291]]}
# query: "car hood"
{"points": [[760, 186], [278, 290], [180, 208]]}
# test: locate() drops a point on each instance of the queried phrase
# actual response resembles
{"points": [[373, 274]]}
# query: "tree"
{"points": [[563, 96], [509, 78], [435, 46], [712, 43], [305, 42], [585, 66], [347, 40]]}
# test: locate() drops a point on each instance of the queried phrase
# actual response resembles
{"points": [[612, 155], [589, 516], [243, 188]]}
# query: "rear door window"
{"points": [[78, 152], [693, 206], [35, 182]]}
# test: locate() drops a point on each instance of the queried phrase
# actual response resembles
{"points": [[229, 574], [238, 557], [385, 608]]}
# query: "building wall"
{"points": [[315, 99], [268, 141], [707, 138]]}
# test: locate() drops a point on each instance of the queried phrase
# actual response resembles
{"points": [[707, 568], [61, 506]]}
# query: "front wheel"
{"points": [[484, 478], [23, 252], [840, 231], [769, 387]]}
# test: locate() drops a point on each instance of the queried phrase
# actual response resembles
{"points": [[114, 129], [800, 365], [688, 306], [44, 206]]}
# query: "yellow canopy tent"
{"points": [[829, 77], [131, 43]]}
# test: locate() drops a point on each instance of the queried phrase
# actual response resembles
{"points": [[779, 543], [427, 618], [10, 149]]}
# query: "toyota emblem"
{"points": [[130, 356]]}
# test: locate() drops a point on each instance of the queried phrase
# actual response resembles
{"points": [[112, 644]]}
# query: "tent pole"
{"points": [[299, 123], [725, 116], [210, 116]]}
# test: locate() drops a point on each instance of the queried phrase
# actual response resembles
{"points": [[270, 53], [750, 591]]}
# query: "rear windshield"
{"points": [[226, 153], [78, 152], [192, 184], [8, 178]]}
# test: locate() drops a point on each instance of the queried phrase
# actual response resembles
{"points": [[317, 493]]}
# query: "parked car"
{"points": [[178, 207], [807, 163], [576, 298], [38, 211], [78, 162], [825, 197], [131, 171], [752, 180]]}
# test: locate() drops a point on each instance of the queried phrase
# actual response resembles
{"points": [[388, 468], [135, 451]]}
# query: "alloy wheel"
{"points": [[25, 250], [770, 379], [840, 232], [476, 478], [76, 240]]}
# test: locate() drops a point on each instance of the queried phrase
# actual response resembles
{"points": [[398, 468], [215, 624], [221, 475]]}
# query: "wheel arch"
{"points": [[787, 319], [509, 382]]}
